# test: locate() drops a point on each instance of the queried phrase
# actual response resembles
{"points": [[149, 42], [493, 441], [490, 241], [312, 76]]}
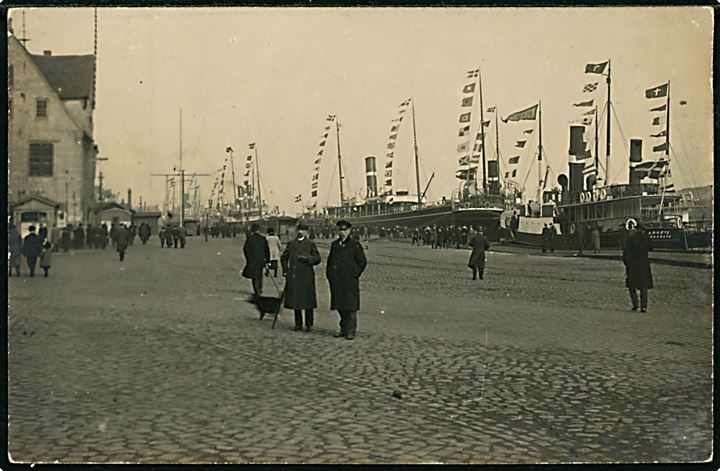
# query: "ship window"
{"points": [[41, 159]]}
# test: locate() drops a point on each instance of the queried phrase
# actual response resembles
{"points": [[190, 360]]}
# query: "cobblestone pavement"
{"points": [[159, 359]]}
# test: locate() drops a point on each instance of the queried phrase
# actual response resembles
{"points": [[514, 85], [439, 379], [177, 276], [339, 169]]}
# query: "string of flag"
{"points": [[527, 114], [468, 159], [329, 120], [390, 147], [659, 169]]}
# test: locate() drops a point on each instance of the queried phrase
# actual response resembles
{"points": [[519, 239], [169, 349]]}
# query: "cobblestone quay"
{"points": [[159, 359]]}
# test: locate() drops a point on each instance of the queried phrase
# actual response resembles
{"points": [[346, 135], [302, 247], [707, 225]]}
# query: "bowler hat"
{"points": [[302, 226], [343, 224]]}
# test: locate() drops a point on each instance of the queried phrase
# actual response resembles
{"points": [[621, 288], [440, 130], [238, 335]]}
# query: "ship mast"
{"points": [[607, 136], [540, 148], [597, 144], [417, 162], [337, 132], [482, 133]]}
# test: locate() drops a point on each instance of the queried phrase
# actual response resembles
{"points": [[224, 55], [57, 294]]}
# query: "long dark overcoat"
{"points": [[122, 238], [479, 244], [637, 262], [298, 260], [345, 264], [14, 247], [32, 245], [257, 254]]}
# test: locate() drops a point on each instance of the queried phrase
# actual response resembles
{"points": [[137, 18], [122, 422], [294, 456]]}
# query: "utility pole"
{"points": [[100, 177], [337, 131]]}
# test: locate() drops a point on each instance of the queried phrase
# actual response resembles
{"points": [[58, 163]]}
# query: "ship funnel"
{"points": [[371, 176], [562, 180]]}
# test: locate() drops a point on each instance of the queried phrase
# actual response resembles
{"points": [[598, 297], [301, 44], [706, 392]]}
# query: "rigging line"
{"points": [[332, 176], [625, 145], [691, 174], [691, 180], [530, 167]]}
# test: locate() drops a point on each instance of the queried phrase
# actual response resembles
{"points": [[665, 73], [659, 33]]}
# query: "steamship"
{"points": [[579, 204], [395, 206]]}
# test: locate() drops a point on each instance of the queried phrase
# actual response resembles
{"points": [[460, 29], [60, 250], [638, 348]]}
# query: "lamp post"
{"points": [[100, 177]]}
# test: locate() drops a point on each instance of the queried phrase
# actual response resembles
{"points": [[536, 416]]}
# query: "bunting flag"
{"points": [[313, 193], [645, 169], [315, 177], [515, 159], [392, 136], [477, 147], [587, 121], [473, 73], [464, 160], [528, 131], [320, 152], [662, 107], [465, 117], [595, 68], [249, 158], [317, 161], [486, 123], [590, 87], [464, 131], [325, 136], [656, 121], [469, 88], [392, 142], [251, 145], [491, 109], [475, 159], [662, 133], [520, 144], [313, 185], [467, 101], [585, 103], [395, 128], [247, 173], [511, 175], [661, 148], [322, 143], [388, 173], [657, 92], [330, 119], [589, 113], [388, 164], [327, 128], [298, 198], [464, 147], [522, 115], [390, 145]]}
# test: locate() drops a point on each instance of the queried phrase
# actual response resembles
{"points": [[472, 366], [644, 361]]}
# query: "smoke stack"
{"points": [[371, 176], [129, 199]]}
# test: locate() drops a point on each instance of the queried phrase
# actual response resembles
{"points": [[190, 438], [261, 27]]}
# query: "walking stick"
{"points": [[280, 301]]}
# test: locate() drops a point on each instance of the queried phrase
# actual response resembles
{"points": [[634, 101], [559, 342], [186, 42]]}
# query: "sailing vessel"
{"points": [[392, 206], [581, 204]]}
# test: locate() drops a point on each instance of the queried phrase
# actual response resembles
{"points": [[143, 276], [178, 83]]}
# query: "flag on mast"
{"points": [[522, 115], [595, 68], [657, 92]]}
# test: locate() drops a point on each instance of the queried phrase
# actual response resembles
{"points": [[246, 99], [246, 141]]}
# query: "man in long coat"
{"points": [[257, 255], [122, 240], [32, 248], [637, 265], [479, 244], [298, 260], [14, 249], [345, 264]]}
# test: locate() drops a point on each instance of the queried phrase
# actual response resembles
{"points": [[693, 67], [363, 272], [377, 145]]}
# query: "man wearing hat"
{"points": [[297, 261], [345, 264], [257, 255], [32, 248], [637, 264]]}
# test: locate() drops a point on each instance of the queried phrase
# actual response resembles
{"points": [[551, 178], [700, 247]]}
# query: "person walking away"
{"points": [[596, 238], [133, 232], [122, 240], [103, 236], [551, 237], [345, 264], [637, 265], [15, 245], [181, 236], [276, 249], [32, 248], [80, 237], [298, 260], [257, 255], [43, 231], [66, 239], [479, 244], [144, 232], [46, 257]]}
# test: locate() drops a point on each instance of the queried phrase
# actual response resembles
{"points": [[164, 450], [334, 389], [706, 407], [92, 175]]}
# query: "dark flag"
{"points": [[465, 117], [662, 133], [661, 148], [515, 159], [595, 68], [584, 103], [469, 88], [657, 92], [662, 107], [467, 101], [520, 144]]}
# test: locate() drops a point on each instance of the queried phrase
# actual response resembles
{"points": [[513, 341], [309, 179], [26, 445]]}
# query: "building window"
{"points": [[41, 159], [41, 109]]}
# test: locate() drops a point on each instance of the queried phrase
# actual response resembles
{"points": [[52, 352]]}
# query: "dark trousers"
{"points": [[46, 270], [17, 271], [348, 322], [643, 297], [122, 254], [309, 317], [31, 262], [257, 284], [273, 267], [477, 271]]}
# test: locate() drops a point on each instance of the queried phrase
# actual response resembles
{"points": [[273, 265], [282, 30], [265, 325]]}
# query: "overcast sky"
{"points": [[272, 76]]}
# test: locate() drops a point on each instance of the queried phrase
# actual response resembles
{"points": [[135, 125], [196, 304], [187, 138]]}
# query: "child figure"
{"points": [[46, 257]]}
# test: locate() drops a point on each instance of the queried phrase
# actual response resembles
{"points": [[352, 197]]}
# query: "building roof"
{"points": [[70, 76], [36, 197]]}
